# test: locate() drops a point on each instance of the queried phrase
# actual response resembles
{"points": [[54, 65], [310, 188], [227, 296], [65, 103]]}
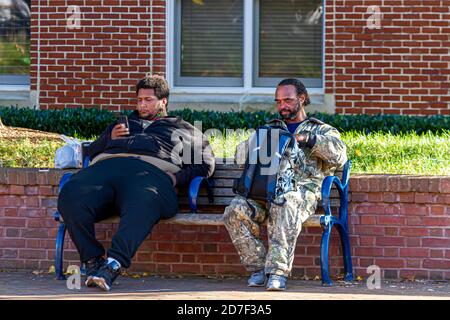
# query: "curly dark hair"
{"points": [[299, 87], [156, 82]]}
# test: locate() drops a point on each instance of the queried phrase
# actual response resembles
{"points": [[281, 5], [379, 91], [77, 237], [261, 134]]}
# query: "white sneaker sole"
{"points": [[89, 282], [101, 283], [275, 289], [256, 285]]}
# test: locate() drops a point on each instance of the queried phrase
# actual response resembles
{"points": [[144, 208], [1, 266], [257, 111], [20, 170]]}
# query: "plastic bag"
{"points": [[69, 155]]}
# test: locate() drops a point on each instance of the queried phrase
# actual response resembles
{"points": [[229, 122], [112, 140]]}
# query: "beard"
{"points": [[291, 114], [150, 115]]}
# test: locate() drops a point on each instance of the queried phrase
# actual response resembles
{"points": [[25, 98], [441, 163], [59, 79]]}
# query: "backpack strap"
{"points": [[250, 169], [284, 141], [248, 179]]}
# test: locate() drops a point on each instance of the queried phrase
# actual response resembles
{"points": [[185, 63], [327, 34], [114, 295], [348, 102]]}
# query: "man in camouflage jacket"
{"points": [[299, 181]]}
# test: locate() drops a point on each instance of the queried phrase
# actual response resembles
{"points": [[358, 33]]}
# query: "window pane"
{"points": [[14, 37], [211, 38], [290, 38]]}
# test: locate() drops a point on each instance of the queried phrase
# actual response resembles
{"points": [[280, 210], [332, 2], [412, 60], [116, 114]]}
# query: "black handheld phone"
{"points": [[123, 119]]}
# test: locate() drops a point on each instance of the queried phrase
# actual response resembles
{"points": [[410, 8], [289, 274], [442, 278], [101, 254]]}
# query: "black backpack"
{"points": [[259, 178]]}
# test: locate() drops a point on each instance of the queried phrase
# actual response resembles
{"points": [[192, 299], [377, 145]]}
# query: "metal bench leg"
{"points": [[326, 281], [59, 252], [346, 253]]}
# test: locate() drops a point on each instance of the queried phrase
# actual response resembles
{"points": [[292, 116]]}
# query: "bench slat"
{"points": [[224, 201], [208, 219], [223, 191], [227, 174]]}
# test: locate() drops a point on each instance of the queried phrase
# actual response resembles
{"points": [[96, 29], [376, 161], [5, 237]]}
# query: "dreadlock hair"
{"points": [[299, 87]]}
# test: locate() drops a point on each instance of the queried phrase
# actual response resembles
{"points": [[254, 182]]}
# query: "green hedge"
{"points": [[363, 123], [71, 122], [91, 122]]}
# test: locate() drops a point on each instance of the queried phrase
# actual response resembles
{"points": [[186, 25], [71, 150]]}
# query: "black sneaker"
{"points": [[106, 275], [91, 267]]}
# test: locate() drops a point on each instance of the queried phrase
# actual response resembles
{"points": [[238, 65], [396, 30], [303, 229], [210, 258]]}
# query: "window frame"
{"points": [[272, 81], [249, 70]]}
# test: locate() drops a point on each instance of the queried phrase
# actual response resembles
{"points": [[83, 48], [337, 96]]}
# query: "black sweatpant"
{"points": [[140, 192]]}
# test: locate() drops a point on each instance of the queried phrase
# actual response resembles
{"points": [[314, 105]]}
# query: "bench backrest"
{"points": [[223, 180]]}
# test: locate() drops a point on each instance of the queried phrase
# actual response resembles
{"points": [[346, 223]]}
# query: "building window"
{"points": [[285, 40], [288, 41], [209, 42], [14, 42]]}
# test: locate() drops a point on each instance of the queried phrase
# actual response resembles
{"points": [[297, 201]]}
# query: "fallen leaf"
{"points": [[51, 269], [359, 278], [340, 277]]}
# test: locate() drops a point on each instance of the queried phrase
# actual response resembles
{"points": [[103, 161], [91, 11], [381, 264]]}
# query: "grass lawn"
{"points": [[28, 153], [427, 154]]}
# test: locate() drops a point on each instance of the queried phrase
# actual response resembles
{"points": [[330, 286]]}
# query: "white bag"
{"points": [[69, 155]]}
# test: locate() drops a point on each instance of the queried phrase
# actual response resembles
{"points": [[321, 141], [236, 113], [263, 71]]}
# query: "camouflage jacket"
{"points": [[306, 167]]}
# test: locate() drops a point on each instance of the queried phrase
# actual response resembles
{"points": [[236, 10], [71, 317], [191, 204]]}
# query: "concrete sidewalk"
{"points": [[26, 285]]}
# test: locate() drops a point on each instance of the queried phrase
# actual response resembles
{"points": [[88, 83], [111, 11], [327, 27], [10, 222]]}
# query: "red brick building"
{"points": [[355, 56]]}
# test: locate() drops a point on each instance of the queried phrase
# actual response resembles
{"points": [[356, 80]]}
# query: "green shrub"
{"points": [[71, 122], [91, 122], [394, 124]]}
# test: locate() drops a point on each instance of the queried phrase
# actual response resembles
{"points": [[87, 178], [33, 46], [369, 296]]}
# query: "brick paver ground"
{"points": [[26, 285]]}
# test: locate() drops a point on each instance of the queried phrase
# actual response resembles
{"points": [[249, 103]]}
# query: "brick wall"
{"points": [[400, 223], [98, 64], [401, 68]]}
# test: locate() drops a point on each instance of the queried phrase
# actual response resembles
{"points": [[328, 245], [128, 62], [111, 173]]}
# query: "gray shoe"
{"points": [[276, 283], [257, 279]]}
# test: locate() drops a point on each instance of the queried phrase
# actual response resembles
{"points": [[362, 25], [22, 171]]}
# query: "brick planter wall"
{"points": [[400, 223], [400, 68]]}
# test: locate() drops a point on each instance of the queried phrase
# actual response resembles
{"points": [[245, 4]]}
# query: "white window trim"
{"points": [[247, 88], [248, 44]]}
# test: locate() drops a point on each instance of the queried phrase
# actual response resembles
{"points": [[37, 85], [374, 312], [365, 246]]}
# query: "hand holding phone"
{"points": [[121, 129], [124, 120]]}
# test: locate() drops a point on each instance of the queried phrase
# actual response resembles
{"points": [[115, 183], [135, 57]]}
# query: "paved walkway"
{"points": [[26, 285]]}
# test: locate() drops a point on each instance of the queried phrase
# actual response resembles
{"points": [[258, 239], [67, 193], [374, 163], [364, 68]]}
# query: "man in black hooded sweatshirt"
{"points": [[133, 172]]}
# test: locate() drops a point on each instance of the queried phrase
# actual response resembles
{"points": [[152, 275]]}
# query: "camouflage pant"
{"points": [[283, 227]]}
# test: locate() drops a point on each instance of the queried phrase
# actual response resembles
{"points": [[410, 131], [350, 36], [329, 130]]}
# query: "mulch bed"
{"points": [[14, 133]]}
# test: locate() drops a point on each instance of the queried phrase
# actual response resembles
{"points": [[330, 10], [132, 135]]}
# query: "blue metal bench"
{"points": [[218, 193]]}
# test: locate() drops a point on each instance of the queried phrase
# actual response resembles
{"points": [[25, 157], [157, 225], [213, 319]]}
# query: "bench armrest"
{"points": [[66, 176], [194, 188], [84, 154], [342, 187]]}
